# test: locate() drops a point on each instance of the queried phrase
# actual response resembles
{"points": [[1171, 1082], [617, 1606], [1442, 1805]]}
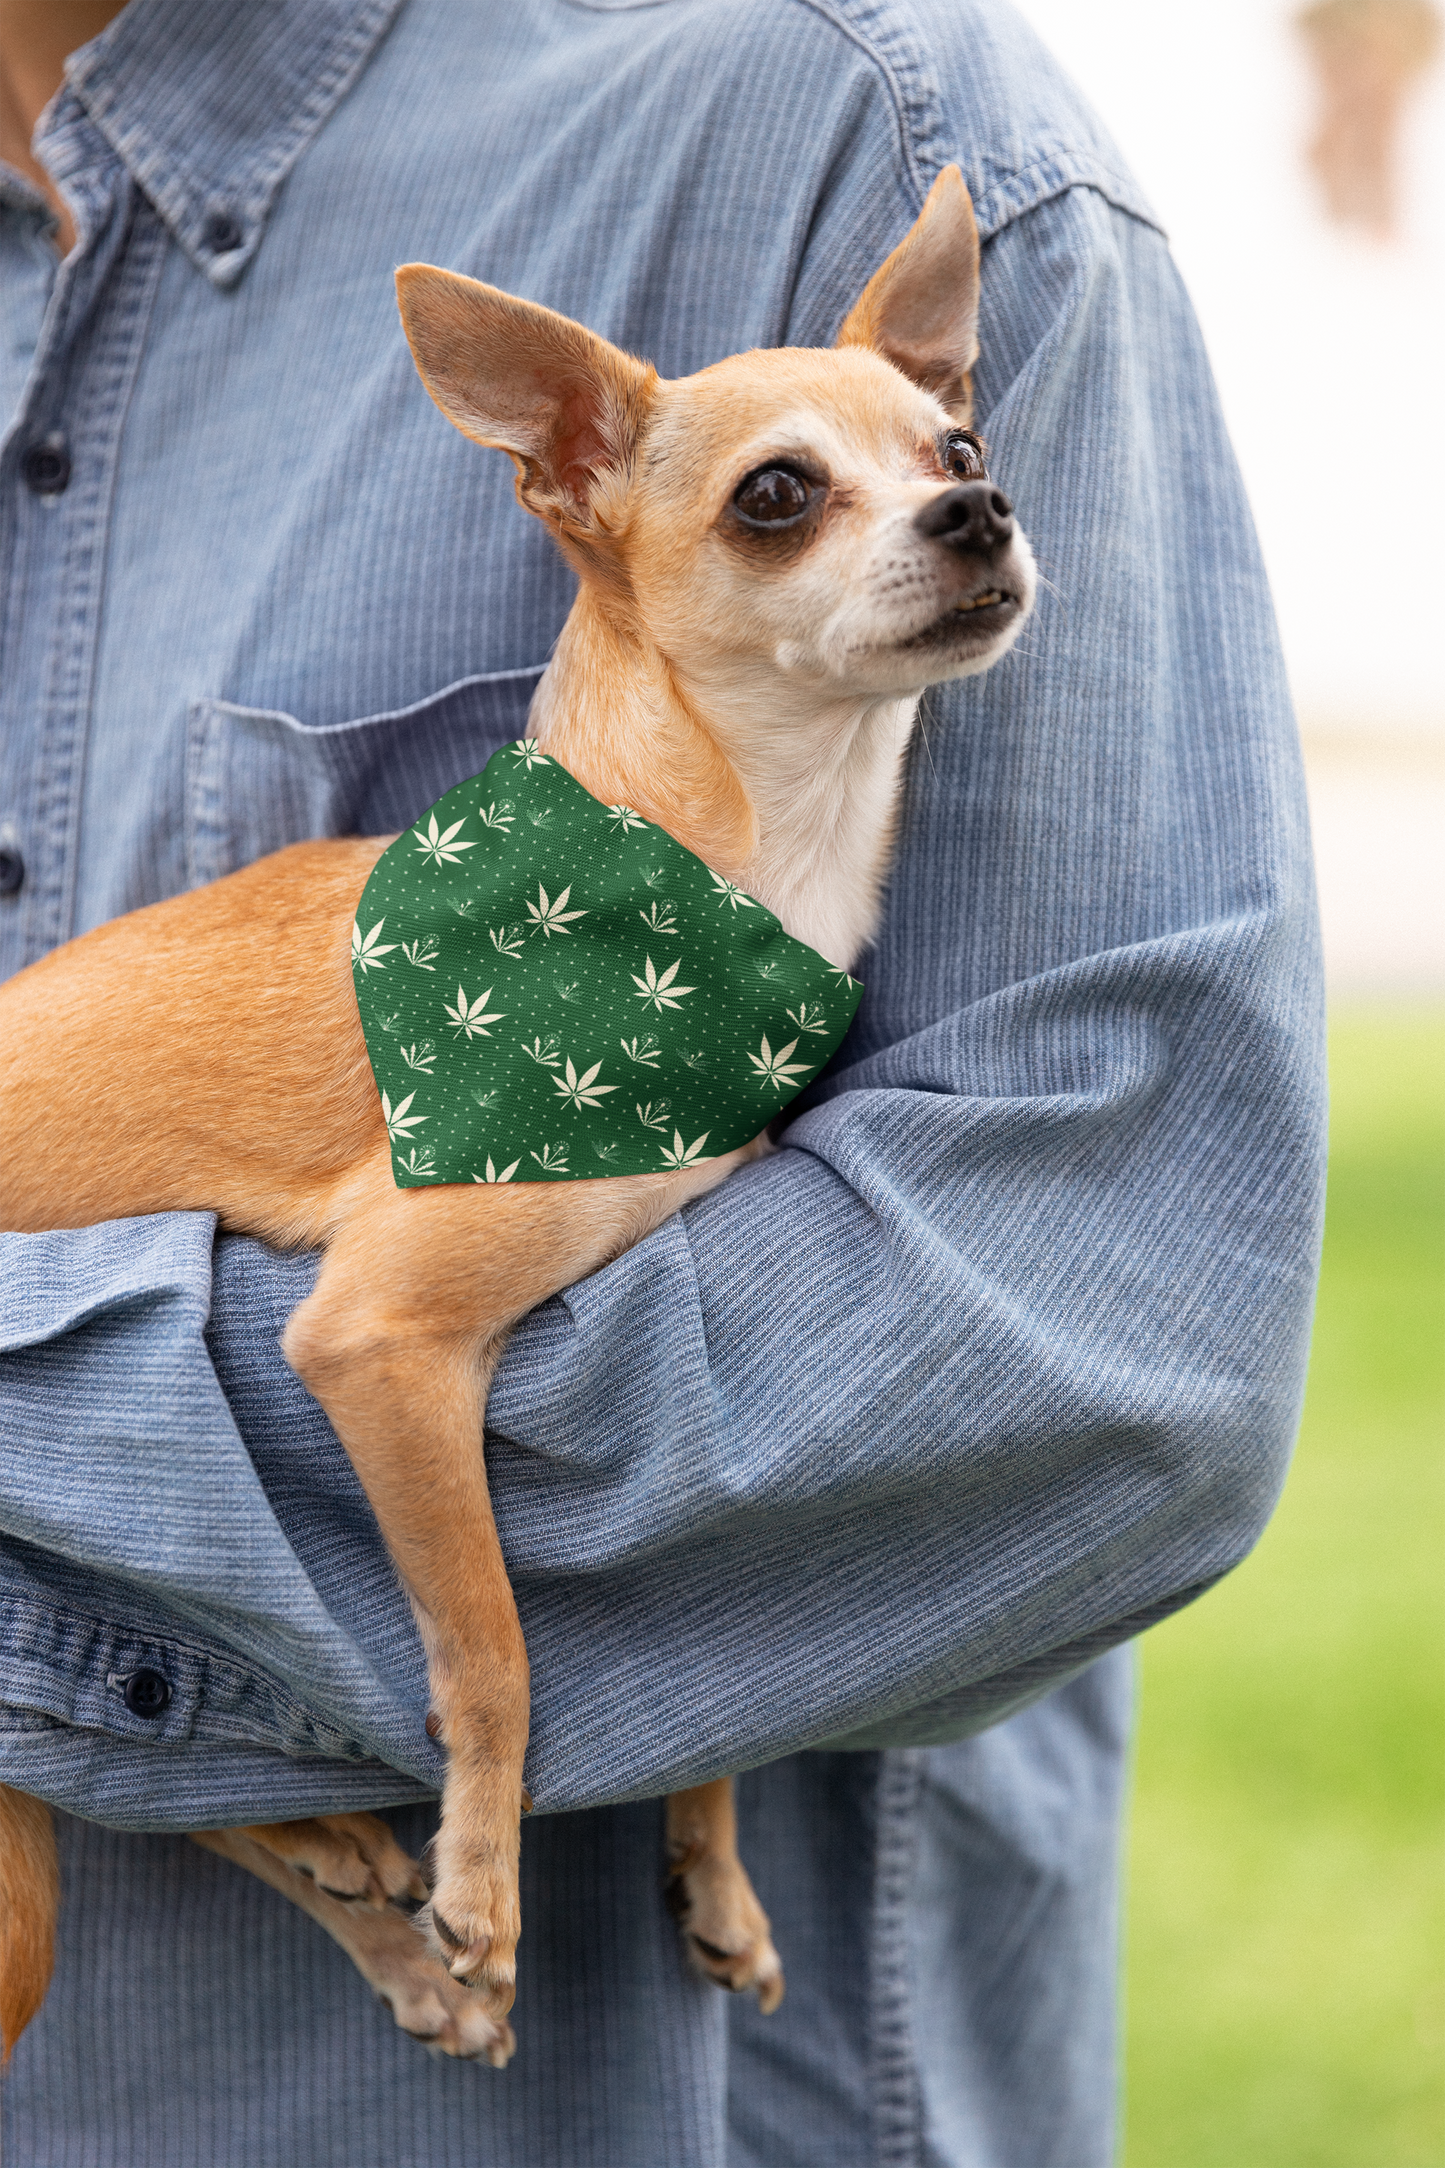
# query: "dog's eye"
{"points": [[773, 497], [963, 455]]}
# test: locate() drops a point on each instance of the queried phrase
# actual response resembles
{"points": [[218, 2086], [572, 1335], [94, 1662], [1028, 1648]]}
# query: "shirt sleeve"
{"points": [[997, 1360]]}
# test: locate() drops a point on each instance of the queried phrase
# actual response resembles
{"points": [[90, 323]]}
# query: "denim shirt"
{"points": [[1000, 1357]]}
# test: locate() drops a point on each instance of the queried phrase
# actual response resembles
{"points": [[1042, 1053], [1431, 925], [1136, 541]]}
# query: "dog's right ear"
{"points": [[568, 406]]}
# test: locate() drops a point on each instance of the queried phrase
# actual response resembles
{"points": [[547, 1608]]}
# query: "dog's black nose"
{"points": [[975, 517]]}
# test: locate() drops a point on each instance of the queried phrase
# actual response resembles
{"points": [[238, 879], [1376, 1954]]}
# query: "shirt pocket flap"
{"points": [[257, 779]]}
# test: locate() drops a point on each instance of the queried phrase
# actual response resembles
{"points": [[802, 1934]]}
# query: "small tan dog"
{"points": [[776, 557]]}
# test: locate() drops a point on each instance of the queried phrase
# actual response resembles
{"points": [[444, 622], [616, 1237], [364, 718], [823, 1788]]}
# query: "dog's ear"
{"points": [[920, 308], [566, 405]]}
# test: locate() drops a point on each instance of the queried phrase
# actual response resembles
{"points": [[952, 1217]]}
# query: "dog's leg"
{"points": [[29, 1905], [398, 1341], [726, 1930], [395, 1343], [382, 1943], [351, 1856]]}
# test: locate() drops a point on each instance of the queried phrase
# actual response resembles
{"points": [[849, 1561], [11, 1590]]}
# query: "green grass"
{"points": [[1286, 1947]]}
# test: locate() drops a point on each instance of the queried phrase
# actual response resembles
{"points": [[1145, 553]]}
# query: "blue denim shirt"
{"points": [[999, 1359]]}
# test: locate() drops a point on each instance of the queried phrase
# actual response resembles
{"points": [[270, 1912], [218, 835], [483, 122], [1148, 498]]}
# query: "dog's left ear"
{"points": [[567, 405], [920, 308]]}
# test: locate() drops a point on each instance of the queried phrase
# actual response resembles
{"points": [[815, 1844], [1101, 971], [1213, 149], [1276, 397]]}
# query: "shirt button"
{"points": [[46, 468], [12, 872], [222, 234], [147, 1693]]}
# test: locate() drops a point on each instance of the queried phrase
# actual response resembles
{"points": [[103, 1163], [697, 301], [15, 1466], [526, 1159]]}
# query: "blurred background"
{"points": [[1286, 1942]]}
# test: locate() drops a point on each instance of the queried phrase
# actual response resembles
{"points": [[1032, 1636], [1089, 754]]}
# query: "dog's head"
{"points": [[821, 516]]}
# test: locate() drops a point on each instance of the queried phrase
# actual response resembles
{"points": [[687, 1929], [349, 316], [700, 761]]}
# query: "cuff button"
{"points": [[147, 1693]]}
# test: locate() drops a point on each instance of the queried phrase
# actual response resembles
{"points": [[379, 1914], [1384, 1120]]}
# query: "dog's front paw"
{"points": [[473, 1921], [725, 1930]]}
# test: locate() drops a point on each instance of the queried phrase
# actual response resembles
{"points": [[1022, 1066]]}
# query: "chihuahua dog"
{"points": [[776, 557]]}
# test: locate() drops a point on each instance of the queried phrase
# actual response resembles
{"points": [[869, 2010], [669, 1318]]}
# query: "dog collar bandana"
{"points": [[553, 989]]}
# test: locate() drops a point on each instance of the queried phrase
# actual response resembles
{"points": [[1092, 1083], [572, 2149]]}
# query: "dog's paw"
{"points": [[446, 2017], [725, 1931], [472, 1923], [353, 1857]]}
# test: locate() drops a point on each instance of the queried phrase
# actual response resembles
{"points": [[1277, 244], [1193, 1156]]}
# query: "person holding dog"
{"points": [[858, 1477]]}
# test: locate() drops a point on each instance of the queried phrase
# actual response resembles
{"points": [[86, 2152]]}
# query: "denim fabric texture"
{"points": [[997, 1361]]}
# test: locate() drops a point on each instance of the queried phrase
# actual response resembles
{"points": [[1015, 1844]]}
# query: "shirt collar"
{"points": [[210, 104]]}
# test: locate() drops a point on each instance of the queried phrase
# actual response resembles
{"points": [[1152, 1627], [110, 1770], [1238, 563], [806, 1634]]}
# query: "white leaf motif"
{"points": [[548, 917], [366, 954], [776, 1069], [471, 1021], [399, 1124], [506, 1174], [684, 1155], [729, 892], [582, 1091], [440, 846], [661, 992]]}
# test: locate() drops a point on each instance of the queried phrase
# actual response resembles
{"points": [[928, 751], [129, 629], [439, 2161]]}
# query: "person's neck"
{"points": [[36, 38], [798, 812]]}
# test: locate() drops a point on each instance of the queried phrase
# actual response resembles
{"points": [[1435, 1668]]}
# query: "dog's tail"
{"points": [[29, 1903]]}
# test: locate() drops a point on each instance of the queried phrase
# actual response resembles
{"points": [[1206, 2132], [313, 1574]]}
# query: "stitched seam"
{"points": [[893, 2072], [1064, 166], [865, 45]]}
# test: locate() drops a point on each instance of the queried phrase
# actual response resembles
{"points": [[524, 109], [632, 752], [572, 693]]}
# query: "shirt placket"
{"points": [[57, 475]]}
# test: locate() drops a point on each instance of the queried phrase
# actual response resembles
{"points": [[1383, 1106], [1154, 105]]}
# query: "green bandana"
{"points": [[552, 988]]}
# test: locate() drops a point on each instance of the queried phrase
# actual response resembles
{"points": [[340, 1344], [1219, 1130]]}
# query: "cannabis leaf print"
{"points": [[525, 750], [366, 954], [728, 892], [471, 1022], [437, 845], [399, 1123], [580, 1091], [548, 917], [492, 1175], [496, 952], [661, 992], [683, 1155], [776, 1069]]}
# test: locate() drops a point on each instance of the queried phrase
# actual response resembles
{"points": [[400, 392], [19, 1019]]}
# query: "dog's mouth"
{"points": [[977, 617]]}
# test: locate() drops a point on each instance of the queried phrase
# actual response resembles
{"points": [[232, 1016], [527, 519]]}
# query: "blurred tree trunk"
{"points": [[1367, 55]]}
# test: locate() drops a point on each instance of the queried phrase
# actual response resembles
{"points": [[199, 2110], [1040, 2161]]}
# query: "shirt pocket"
{"points": [[257, 779]]}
